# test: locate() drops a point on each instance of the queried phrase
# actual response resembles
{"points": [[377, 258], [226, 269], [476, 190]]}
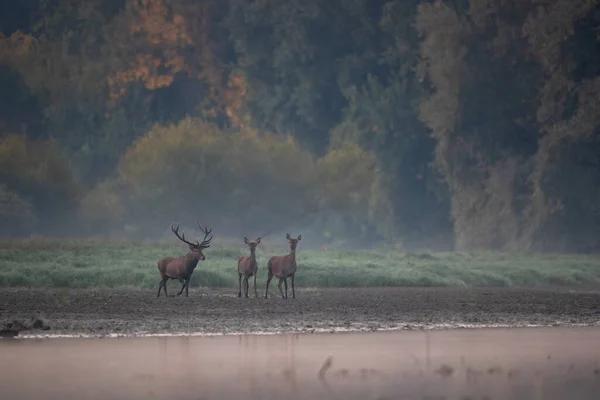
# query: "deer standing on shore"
{"points": [[247, 267], [283, 267], [182, 268]]}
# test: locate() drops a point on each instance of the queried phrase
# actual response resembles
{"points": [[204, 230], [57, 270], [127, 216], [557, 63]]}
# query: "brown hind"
{"points": [[182, 267], [283, 267], [247, 267]]}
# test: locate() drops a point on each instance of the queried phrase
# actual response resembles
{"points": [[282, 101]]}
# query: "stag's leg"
{"points": [[187, 286], [182, 281], [255, 292], [293, 277], [280, 288], [239, 285], [268, 281]]}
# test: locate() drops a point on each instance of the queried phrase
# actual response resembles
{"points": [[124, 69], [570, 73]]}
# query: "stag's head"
{"points": [[195, 248], [293, 242], [252, 244]]}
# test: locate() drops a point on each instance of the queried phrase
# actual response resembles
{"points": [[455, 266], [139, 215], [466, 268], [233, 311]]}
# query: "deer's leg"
{"points": [[182, 281], [280, 288], [165, 280], [187, 286], [160, 285], [293, 277], [268, 281], [239, 285], [247, 286], [255, 292], [285, 284]]}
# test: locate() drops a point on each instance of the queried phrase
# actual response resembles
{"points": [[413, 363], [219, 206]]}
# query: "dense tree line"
{"points": [[460, 123]]}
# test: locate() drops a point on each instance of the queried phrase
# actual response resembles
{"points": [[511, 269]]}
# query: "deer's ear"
{"points": [[299, 237], [258, 240], [287, 236], [246, 240]]}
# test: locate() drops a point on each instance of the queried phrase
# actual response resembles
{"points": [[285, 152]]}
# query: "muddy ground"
{"points": [[100, 312]]}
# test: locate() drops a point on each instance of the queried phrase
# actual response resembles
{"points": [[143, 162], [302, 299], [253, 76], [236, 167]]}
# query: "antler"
{"points": [[182, 237], [205, 242]]}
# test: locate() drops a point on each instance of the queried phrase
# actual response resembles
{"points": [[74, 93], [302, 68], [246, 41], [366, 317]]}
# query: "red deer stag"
{"points": [[247, 267], [182, 267], [283, 267]]}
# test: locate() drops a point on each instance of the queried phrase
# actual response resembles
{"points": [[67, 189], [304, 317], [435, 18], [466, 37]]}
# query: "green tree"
{"points": [[298, 57], [37, 188], [480, 113], [353, 205], [240, 181], [565, 213], [382, 115]]}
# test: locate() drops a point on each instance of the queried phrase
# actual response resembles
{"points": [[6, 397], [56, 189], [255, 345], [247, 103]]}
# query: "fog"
{"points": [[405, 123], [496, 364]]}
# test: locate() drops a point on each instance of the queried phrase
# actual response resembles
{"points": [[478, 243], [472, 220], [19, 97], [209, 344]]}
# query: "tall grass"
{"points": [[89, 263]]}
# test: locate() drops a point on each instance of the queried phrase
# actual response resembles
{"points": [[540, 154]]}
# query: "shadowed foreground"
{"points": [[518, 363], [220, 311]]}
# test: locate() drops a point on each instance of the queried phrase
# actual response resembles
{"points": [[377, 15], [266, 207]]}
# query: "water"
{"points": [[517, 363]]}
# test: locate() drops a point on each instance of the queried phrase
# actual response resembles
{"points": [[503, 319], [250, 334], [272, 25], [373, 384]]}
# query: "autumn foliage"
{"points": [[441, 124]]}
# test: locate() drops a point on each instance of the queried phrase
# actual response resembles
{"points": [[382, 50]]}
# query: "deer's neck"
{"points": [[253, 256], [192, 261], [292, 256]]}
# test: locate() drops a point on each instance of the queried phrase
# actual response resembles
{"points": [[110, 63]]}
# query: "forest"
{"points": [[444, 125]]}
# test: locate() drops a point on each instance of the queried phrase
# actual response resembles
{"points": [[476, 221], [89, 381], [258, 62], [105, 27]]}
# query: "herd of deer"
{"points": [[182, 268]]}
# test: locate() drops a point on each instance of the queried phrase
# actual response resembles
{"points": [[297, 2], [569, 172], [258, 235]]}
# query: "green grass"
{"points": [[88, 263]]}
